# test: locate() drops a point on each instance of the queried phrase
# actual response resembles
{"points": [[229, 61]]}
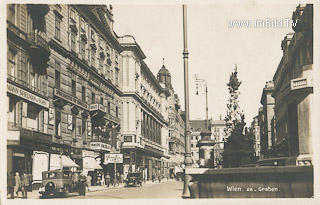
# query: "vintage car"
{"points": [[134, 178], [61, 183]]}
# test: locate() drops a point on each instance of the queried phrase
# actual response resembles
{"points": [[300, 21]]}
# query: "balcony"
{"points": [[39, 52]]}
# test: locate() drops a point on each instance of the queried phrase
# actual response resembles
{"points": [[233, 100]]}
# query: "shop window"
{"points": [[58, 123], [57, 28]]}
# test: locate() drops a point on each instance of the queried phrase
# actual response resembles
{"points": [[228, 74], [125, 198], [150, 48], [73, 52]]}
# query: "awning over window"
{"points": [[55, 162], [90, 163]]}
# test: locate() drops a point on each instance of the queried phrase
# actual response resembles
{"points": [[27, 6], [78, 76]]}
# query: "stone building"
{"points": [[267, 102], [219, 137], [293, 91], [145, 113], [176, 134], [255, 129], [64, 78]]}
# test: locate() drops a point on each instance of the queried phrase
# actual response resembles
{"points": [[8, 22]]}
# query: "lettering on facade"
{"points": [[51, 116], [89, 129], [100, 146], [87, 153], [94, 107], [27, 95], [113, 158], [112, 118], [299, 83], [30, 134], [70, 98]]}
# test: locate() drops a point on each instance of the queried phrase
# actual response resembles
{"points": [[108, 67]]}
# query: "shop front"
{"points": [[91, 166]]}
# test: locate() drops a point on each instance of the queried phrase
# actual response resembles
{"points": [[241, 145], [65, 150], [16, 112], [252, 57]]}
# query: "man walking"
{"points": [[108, 179], [89, 178], [17, 184], [24, 185], [11, 184]]}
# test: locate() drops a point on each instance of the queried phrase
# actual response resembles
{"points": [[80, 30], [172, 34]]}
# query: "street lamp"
{"points": [[205, 144], [187, 158]]}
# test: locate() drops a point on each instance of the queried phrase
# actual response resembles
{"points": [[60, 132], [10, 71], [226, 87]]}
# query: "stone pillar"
{"points": [[205, 148]]}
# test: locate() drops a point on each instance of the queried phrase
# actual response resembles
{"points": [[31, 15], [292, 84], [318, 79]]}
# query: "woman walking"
{"points": [[17, 184]]}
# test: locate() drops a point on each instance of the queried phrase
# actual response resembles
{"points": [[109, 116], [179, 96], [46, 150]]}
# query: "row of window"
{"points": [[105, 69]]}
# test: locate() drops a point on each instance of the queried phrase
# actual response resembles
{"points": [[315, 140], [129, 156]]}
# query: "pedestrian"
{"points": [[118, 178], [108, 179], [17, 184], [30, 178], [82, 184], [11, 184], [24, 185], [89, 178]]}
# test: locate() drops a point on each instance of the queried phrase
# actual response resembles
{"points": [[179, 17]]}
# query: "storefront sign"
{"points": [[70, 98], [51, 116], [25, 133], [97, 106], [113, 158], [299, 83], [42, 136], [27, 95], [89, 129], [69, 122], [100, 146], [87, 153]]}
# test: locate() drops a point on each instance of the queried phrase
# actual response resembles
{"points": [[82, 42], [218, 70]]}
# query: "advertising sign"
{"points": [[113, 158]]}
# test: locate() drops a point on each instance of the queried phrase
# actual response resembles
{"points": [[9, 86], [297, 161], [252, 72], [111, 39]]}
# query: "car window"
{"points": [[51, 175]]}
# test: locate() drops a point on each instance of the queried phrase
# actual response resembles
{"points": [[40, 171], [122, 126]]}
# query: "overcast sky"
{"points": [[214, 48]]}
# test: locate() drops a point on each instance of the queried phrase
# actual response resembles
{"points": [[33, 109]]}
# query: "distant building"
{"points": [[255, 129], [219, 137], [196, 126], [267, 102], [176, 135], [293, 91]]}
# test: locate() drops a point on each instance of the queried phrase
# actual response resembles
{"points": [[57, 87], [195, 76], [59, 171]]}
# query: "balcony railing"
{"points": [[36, 40]]}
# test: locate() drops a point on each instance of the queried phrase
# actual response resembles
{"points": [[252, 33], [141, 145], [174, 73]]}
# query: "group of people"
{"points": [[19, 182], [113, 181]]}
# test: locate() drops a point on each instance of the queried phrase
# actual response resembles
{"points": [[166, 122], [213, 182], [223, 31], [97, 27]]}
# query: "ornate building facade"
{"points": [[63, 87], [293, 91], [145, 114]]}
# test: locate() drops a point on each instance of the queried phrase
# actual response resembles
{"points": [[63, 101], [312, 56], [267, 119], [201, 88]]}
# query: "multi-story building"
{"points": [[144, 115], [196, 127], [176, 122], [255, 130], [64, 80], [219, 137], [267, 102], [293, 90]]}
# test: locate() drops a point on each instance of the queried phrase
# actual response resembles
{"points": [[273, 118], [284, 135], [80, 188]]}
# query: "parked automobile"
{"points": [[134, 178], [61, 183]]}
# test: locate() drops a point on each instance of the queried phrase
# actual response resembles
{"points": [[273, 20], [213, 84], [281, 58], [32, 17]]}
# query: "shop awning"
{"points": [[55, 162], [90, 163]]}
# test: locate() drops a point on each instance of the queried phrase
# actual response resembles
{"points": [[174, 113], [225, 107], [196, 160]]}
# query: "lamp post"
{"points": [[205, 144], [187, 158]]}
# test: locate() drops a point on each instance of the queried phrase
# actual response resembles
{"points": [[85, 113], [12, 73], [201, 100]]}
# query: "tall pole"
{"points": [[187, 158], [206, 123]]}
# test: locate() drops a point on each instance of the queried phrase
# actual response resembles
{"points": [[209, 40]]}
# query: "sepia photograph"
{"points": [[174, 100]]}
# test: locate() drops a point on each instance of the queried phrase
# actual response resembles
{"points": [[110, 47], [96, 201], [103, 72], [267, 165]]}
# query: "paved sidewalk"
{"points": [[35, 193]]}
